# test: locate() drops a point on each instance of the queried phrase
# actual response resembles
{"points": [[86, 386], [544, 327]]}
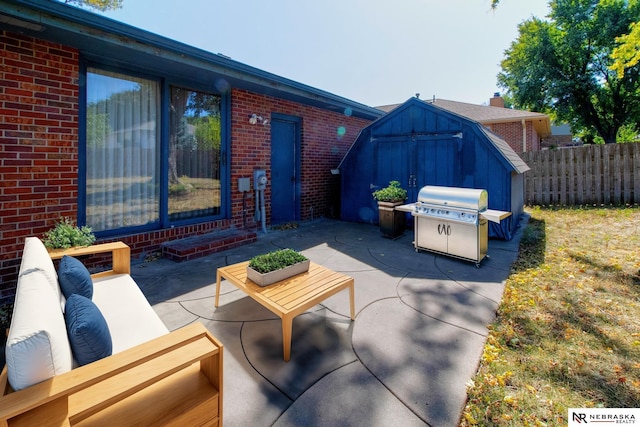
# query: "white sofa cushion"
{"points": [[36, 257], [37, 346], [130, 317]]}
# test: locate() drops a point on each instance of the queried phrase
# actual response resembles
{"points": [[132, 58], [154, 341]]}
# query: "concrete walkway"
{"points": [[417, 338]]}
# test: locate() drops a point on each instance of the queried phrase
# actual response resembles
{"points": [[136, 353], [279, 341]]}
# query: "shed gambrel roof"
{"points": [[487, 115], [500, 144], [508, 154]]}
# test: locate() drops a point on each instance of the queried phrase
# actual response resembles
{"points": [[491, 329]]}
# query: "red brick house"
{"points": [[522, 130], [148, 140]]}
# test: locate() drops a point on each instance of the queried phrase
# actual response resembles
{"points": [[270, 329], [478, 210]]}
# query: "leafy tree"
{"points": [[97, 4], [208, 132], [562, 65], [627, 53], [628, 133]]}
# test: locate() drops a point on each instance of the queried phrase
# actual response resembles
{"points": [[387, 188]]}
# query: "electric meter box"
{"points": [[259, 179]]}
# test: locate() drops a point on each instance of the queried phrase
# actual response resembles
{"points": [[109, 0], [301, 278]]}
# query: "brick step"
{"points": [[205, 244]]}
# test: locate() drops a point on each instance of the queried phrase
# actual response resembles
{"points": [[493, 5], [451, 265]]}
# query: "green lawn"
{"points": [[567, 334]]}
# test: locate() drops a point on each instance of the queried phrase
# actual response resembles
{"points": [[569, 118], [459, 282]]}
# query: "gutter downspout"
{"points": [[524, 136]]}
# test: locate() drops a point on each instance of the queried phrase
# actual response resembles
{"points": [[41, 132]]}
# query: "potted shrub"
{"points": [[66, 234], [274, 266], [392, 221]]}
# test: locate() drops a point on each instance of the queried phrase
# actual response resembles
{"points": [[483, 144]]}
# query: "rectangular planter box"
{"points": [[264, 279], [391, 221]]}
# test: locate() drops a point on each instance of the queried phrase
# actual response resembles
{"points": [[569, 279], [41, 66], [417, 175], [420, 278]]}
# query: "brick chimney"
{"points": [[497, 100]]}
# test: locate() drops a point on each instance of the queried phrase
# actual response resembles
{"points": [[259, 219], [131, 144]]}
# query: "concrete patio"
{"points": [[421, 323]]}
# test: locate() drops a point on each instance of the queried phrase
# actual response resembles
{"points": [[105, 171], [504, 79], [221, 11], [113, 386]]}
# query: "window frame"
{"points": [[164, 83]]}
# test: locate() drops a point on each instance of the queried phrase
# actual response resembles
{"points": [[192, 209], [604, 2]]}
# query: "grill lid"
{"points": [[454, 197]]}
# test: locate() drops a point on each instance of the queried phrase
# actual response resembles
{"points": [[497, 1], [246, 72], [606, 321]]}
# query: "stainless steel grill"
{"points": [[450, 203], [453, 221]]}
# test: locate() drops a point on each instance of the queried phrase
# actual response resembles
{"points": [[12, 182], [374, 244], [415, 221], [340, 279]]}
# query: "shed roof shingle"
{"points": [[487, 115]]}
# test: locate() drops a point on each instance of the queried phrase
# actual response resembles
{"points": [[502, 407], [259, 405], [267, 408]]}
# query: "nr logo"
{"points": [[579, 417]]}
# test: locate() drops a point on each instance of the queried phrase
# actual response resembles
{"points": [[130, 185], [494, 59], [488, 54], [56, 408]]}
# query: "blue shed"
{"points": [[421, 144]]}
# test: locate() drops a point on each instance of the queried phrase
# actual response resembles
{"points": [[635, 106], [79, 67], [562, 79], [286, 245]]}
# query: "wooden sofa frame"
{"points": [[175, 379]]}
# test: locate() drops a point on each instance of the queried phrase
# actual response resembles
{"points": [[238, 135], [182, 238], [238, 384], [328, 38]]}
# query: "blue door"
{"points": [[416, 161], [392, 161], [437, 161], [285, 169]]}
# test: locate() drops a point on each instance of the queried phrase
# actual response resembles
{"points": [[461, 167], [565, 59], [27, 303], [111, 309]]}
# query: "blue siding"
{"points": [[419, 144]]}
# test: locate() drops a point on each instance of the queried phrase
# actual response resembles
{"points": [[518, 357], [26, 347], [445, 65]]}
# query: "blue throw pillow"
{"points": [[88, 331], [74, 278]]}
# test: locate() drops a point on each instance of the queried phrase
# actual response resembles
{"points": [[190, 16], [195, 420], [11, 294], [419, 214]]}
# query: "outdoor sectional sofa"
{"points": [[62, 370]]}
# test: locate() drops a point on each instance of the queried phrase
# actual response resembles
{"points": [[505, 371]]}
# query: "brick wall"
{"points": [[512, 134], [38, 140], [533, 139], [39, 145], [322, 148]]}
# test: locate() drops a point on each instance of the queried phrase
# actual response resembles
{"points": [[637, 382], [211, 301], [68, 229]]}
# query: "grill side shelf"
{"points": [[494, 215], [406, 208]]}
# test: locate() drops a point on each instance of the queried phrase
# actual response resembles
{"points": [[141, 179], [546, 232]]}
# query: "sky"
{"points": [[375, 52]]}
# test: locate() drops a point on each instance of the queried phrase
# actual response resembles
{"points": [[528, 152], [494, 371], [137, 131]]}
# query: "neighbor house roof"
{"points": [[119, 44], [488, 115]]}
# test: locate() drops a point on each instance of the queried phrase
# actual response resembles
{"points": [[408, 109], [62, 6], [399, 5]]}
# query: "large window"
{"points": [[194, 154], [122, 151], [128, 182]]}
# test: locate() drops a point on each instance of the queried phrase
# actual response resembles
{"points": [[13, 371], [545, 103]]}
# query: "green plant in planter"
{"points": [[66, 234], [391, 193], [275, 260]]}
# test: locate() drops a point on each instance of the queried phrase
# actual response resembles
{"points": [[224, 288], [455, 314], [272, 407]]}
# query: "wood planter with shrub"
{"points": [[391, 221]]}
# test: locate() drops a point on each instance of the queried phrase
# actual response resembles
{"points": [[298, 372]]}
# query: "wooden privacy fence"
{"points": [[592, 174]]}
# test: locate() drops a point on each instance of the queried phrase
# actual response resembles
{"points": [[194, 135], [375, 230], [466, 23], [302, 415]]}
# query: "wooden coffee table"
{"points": [[290, 297]]}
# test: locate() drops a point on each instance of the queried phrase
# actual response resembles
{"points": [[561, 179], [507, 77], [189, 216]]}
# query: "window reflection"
{"points": [[194, 154]]}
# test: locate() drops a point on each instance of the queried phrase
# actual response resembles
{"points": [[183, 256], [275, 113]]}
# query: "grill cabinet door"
{"points": [[463, 240], [431, 234]]}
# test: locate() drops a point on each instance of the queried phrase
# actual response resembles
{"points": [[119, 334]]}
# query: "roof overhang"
{"points": [[110, 41], [541, 123]]}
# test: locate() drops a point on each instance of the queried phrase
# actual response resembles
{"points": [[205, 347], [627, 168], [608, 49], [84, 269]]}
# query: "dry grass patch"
{"points": [[567, 334]]}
